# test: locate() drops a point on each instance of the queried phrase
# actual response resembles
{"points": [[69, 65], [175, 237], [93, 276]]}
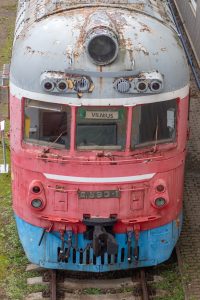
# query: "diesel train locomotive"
{"points": [[99, 94]]}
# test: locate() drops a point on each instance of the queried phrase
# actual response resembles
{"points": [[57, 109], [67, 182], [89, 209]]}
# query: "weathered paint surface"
{"points": [[50, 37], [56, 41], [156, 246]]}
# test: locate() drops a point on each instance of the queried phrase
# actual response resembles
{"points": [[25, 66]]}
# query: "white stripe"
{"points": [[98, 179], [20, 93]]}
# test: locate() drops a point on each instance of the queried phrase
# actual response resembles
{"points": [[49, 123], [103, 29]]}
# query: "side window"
{"points": [[154, 123], [47, 124]]}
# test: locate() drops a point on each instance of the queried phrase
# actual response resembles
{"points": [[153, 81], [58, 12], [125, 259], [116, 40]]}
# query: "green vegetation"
{"points": [[171, 282], [92, 291], [12, 259], [5, 53]]}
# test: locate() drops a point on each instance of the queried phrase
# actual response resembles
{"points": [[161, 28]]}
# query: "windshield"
{"points": [[99, 128], [154, 123], [47, 124]]}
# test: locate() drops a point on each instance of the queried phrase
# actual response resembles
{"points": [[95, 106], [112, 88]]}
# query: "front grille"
{"points": [[86, 257]]}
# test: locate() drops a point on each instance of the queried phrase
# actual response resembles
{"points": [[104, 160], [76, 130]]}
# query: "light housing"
{"points": [[36, 196], [102, 46]]}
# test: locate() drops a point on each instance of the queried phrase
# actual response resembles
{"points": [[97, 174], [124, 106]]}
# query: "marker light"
{"points": [[48, 86], [37, 203], [62, 86], [156, 86], [36, 189], [160, 202], [142, 86], [160, 188]]}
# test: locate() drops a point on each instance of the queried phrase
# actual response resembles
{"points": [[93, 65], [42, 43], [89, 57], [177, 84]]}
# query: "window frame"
{"points": [[28, 142], [113, 148], [72, 150], [159, 143]]}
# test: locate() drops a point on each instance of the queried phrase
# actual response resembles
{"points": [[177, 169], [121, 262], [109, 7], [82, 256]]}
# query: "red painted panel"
{"points": [[30, 162]]}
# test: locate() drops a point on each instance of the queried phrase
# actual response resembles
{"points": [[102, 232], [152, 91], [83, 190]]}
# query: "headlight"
{"points": [[102, 46], [160, 202], [37, 203]]}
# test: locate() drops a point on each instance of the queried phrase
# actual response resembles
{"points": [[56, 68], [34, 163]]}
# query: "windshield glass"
{"points": [[47, 124], [100, 128], [154, 123]]}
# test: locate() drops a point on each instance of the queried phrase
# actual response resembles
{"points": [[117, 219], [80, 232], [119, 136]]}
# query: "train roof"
{"points": [[30, 11], [50, 40]]}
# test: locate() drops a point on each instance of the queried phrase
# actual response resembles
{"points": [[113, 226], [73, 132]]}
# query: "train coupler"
{"points": [[103, 242], [100, 232]]}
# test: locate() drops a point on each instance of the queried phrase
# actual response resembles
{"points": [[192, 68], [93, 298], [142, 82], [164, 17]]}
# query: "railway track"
{"points": [[143, 292], [137, 285]]}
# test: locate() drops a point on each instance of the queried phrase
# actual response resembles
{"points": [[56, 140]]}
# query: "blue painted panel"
{"points": [[156, 246]]}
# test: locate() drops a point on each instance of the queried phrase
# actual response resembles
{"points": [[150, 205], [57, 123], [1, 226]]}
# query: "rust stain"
{"points": [[141, 48], [145, 28], [31, 51]]}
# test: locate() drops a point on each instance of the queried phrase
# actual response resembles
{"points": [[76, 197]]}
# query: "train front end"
{"points": [[99, 108]]}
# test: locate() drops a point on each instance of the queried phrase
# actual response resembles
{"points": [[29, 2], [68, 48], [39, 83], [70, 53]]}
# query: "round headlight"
{"points": [[160, 202], [155, 86], [37, 203], [48, 86], [102, 46], [142, 86], [62, 86]]}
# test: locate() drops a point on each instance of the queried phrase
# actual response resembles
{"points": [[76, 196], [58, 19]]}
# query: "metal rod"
{"points": [[184, 44], [53, 295], [4, 150], [144, 285]]}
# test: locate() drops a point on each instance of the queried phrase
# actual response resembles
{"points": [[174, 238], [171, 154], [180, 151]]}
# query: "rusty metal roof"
{"points": [[30, 11], [51, 36]]}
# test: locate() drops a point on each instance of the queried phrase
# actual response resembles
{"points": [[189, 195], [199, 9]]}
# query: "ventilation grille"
{"points": [[86, 257]]}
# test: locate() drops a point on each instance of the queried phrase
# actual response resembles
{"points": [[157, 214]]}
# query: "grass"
{"points": [[171, 281], [12, 259], [5, 52]]}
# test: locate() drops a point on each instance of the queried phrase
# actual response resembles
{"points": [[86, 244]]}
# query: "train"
{"points": [[99, 98]]}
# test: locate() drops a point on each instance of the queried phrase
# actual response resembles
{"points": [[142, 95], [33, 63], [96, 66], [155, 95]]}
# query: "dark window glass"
{"points": [[47, 124], [99, 128], [154, 123]]}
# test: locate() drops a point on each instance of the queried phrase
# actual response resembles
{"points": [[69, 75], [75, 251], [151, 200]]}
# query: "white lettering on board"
{"points": [[102, 115]]}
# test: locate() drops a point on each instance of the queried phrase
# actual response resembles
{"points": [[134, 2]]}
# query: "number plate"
{"points": [[98, 194]]}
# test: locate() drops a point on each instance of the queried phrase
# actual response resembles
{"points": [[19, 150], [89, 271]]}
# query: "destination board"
{"points": [[102, 115]]}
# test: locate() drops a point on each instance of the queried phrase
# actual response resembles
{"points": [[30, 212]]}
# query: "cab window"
{"points": [[100, 128], [154, 123], [47, 124]]}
